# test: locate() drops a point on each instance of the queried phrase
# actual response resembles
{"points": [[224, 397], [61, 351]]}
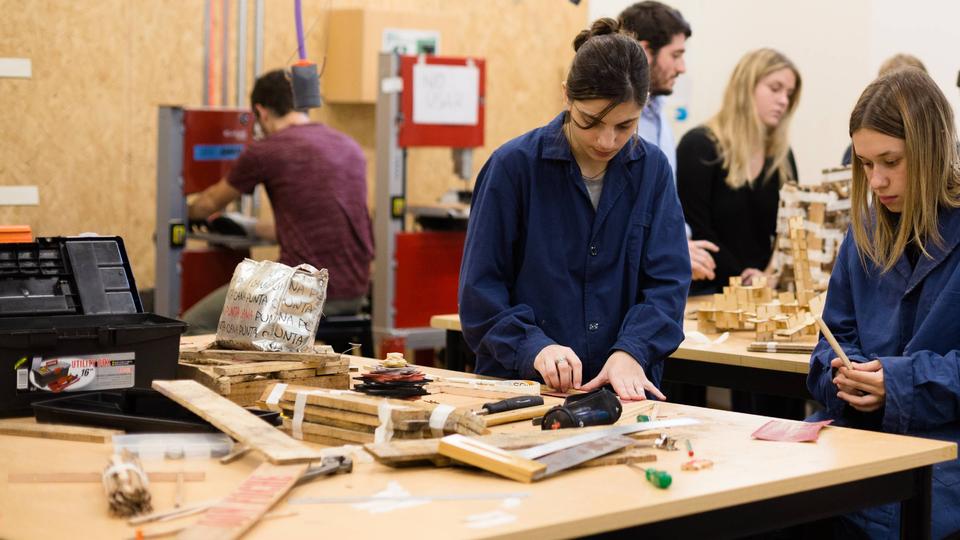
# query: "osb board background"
{"points": [[83, 128]]}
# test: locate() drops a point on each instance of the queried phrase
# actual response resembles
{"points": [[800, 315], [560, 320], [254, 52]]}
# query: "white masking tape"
{"points": [[275, 395], [298, 407], [438, 418], [384, 431]]}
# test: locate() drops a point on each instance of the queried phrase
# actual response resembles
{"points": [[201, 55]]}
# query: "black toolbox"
{"points": [[71, 321]]}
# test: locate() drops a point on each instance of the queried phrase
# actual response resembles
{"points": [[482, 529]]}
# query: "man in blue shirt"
{"points": [[662, 32]]}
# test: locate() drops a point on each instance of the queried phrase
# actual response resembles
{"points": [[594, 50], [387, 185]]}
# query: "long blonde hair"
{"points": [[737, 129], [905, 104]]}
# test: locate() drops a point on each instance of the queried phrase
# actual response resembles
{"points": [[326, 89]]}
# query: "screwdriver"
{"points": [[658, 478], [510, 404]]}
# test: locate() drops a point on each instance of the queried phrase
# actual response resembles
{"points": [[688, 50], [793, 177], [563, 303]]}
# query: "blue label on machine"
{"points": [[216, 152]]}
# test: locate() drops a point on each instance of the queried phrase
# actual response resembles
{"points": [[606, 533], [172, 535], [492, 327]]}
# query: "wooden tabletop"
{"points": [[733, 351], [574, 503]]}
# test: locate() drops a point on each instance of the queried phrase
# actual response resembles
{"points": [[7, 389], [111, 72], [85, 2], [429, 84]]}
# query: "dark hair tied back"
{"points": [[608, 65], [600, 27]]}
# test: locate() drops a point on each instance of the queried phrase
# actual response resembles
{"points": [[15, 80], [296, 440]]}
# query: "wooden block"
{"points": [[490, 458], [236, 422], [59, 432], [96, 477], [236, 513]]}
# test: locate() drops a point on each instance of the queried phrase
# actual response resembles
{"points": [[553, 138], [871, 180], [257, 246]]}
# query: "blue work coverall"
{"points": [[542, 267], [909, 319]]}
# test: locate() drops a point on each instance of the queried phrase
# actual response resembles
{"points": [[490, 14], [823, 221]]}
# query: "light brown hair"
{"points": [[737, 130], [905, 104], [898, 61]]}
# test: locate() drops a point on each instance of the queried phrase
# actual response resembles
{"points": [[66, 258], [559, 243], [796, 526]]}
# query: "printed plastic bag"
{"points": [[272, 307]]}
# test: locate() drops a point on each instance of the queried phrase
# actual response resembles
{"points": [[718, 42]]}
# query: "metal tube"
{"points": [[207, 15], [258, 39], [225, 54], [241, 52]]}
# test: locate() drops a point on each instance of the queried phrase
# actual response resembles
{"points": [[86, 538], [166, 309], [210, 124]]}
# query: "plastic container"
{"points": [[71, 321], [174, 445]]}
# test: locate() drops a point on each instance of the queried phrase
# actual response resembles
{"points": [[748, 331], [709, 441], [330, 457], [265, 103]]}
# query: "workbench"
{"points": [[728, 364], [754, 486]]}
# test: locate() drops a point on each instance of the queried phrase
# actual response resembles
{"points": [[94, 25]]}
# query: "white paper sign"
{"points": [[448, 95]]}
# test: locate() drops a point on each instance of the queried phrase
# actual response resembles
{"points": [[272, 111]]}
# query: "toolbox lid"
{"points": [[82, 275]]}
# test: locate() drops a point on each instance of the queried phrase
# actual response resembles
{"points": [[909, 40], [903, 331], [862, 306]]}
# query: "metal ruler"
{"points": [[574, 440], [581, 453]]}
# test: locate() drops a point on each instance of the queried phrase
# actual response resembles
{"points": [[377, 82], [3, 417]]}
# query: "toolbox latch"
{"points": [[106, 336]]}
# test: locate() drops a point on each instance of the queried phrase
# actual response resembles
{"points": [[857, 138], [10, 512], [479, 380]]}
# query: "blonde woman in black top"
{"points": [[730, 170]]}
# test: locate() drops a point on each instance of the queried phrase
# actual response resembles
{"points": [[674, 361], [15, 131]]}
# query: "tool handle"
{"points": [[660, 479], [510, 404]]}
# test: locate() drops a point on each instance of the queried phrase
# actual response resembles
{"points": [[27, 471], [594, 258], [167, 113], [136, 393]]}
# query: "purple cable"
{"points": [[301, 48]]}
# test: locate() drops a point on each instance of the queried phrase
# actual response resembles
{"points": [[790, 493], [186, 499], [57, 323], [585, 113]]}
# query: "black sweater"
{"points": [[741, 222]]}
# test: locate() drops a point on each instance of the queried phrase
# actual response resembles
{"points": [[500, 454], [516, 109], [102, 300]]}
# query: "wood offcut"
{"points": [[233, 420]]}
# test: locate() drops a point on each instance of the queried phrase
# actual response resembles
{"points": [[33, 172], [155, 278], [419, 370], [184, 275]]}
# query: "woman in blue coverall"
{"points": [[894, 291], [575, 270]]}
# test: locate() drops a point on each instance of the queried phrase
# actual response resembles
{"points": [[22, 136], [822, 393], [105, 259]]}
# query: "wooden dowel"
{"points": [[833, 343]]}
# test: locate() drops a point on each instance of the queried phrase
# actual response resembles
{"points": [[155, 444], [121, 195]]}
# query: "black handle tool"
{"points": [[510, 404]]}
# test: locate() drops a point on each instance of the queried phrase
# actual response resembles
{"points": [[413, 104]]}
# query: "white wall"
{"points": [[837, 46]]}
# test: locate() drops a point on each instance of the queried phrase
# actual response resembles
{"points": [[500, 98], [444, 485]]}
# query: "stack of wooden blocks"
{"points": [[757, 307], [735, 307], [241, 376], [337, 417], [824, 209]]}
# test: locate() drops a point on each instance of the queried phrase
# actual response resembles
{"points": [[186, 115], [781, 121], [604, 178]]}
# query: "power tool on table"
{"points": [[595, 408]]}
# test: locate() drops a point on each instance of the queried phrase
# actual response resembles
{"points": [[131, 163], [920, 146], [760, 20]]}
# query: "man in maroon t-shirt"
{"points": [[316, 179]]}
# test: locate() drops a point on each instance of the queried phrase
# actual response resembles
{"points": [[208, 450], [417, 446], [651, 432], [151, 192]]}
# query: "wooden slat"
{"points": [[490, 458], [255, 367], [326, 413], [237, 512], [236, 422], [265, 356], [60, 432], [400, 453], [82, 477], [516, 415]]}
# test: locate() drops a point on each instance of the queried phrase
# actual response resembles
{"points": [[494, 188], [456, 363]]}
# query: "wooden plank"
{"points": [[255, 367], [83, 477], [60, 432], [621, 457], [246, 394], [348, 434], [401, 453], [354, 437], [246, 368], [326, 413], [265, 356], [356, 402], [236, 422], [238, 512], [490, 458]]}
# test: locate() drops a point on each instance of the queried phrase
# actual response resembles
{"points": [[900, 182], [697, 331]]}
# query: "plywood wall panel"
{"points": [[83, 128]]}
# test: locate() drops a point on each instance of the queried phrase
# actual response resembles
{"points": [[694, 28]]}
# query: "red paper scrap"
{"points": [[784, 430]]}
